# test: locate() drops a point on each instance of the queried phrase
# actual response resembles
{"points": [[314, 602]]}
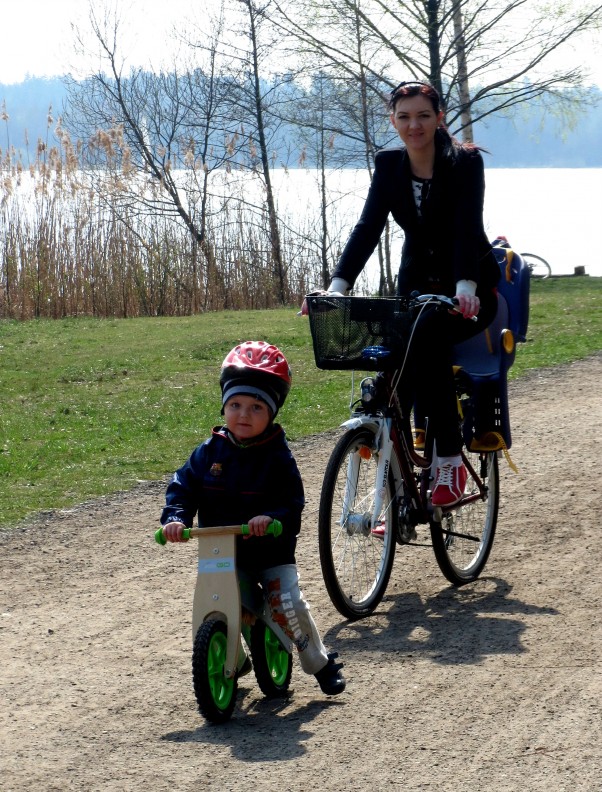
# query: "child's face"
{"points": [[246, 417]]}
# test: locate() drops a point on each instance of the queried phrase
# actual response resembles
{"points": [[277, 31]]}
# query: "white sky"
{"points": [[37, 38]]}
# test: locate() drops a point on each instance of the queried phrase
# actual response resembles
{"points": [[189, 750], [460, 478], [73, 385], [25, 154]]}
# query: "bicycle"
{"points": [[217, 625], [538, 266], [376, 489]]}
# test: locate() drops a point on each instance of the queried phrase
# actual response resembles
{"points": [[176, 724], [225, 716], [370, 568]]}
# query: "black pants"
{"points": [[428, 381]]}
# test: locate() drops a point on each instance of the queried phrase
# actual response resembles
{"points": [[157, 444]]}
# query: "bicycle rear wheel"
{"points": [[539, 266], [462, 541], [272, 663], [356, 556]]}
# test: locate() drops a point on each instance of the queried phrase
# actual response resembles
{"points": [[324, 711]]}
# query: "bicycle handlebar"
{"points": [[273, 529], [438, 299], [441, 299]]}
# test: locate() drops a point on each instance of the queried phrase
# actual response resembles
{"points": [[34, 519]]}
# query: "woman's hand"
{"points": [[468, 302], [318, 293], [468, 305], [337, 288], [173, 532]]}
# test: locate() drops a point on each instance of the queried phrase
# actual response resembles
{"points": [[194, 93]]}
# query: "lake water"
{"points": [[553, 212]]}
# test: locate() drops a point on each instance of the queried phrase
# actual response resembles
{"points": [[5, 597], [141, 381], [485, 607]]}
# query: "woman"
{"points": [[434, 188]]}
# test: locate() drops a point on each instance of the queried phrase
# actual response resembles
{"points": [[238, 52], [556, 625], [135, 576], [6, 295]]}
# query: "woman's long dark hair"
{"points": [[444, 140]]}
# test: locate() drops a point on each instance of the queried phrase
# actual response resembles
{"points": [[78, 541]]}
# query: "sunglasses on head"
{"points": [[410, 82]]}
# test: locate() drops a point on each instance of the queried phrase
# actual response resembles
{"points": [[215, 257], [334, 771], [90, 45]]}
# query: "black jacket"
{"points": [[445, 245], [228, 484]]}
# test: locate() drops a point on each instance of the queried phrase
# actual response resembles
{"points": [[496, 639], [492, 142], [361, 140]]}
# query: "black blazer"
{"points": [[445, 245]]}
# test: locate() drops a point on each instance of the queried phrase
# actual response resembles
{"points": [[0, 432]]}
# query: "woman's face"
{"points": [[416, 121]]}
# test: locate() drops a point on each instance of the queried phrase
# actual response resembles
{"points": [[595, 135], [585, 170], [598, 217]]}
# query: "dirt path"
{"points": [[496, 686]]}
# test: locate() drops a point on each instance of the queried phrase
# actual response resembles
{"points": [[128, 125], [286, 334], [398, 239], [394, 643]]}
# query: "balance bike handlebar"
{"points": [[273, 529]]}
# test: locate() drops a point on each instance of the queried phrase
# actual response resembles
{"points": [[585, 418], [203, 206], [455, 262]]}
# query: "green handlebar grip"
{"points": [[273, 529]]}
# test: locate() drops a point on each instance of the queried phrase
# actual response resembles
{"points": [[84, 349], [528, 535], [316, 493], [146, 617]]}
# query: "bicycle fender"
{"points": [[362, 420]]}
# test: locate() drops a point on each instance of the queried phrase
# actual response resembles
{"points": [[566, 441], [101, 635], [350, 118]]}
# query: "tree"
{"points": [[255, 17], [153, 139], [339, 111], [484, 58], [251, 98]]}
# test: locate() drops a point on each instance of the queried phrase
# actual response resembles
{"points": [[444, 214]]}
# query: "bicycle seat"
{"points": [[514, 285], [482, 354], [493, 350], [486, 357]]}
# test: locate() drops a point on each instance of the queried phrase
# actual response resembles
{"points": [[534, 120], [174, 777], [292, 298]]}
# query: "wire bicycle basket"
{"points": [[363, 333]]}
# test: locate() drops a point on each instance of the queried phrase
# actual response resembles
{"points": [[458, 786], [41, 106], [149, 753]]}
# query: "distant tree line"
{"points": [[530, 137]]}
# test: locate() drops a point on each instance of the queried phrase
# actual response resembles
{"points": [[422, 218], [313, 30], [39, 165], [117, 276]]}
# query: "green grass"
{"points": [[91, 406], [565, 323]]}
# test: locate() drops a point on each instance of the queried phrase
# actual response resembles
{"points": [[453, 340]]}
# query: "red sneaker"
{"points": [[449, 485], [379, 531]]}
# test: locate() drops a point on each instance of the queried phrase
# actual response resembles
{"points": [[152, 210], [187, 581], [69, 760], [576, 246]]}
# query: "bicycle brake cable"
{"points": [[399, 371]]}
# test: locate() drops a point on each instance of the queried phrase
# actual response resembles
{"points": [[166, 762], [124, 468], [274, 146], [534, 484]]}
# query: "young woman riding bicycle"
{"points": [[434, 187]]}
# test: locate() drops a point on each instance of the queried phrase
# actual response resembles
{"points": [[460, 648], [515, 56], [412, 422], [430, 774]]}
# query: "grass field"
{"points": [[90, 406]]}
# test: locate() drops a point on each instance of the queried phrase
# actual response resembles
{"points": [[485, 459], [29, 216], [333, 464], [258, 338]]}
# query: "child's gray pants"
{"points": [[288, 608]]}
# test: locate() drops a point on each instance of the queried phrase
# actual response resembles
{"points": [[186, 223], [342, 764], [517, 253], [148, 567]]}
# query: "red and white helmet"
{"points": [[259, 369]]}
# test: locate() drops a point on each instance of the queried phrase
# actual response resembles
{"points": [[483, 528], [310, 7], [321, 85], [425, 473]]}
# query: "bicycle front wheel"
{"points": [[462, 541], [356, 555], [538, 266], [215, 693]]}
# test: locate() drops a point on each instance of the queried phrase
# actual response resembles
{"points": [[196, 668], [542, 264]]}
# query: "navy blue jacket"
{"points": [[447, 244], [228, 484]]}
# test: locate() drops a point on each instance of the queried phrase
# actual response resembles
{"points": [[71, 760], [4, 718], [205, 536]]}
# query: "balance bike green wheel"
{"points": [[272, 663], [215, 694]]}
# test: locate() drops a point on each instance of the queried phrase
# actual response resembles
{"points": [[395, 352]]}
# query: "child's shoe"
{"points": [[449, 485], [330, 678]]}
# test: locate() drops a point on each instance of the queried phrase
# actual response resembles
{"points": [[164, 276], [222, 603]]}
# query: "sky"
{"points": [[38, 40]]}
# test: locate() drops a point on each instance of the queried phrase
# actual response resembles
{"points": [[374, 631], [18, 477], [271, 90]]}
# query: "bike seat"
{"points": [[514, 285], [492, 352], [483, 354], [486, 358]]}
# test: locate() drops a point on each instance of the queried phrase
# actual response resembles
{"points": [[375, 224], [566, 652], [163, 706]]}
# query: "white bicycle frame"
{"points": [[387, 464]]}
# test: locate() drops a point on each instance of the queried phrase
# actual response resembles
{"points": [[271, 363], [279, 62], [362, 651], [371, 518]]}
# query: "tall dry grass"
{"points": [[69, 248]]}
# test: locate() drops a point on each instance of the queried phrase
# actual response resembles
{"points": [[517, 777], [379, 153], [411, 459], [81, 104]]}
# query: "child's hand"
{"points": [[258, 525], [173, 532]]}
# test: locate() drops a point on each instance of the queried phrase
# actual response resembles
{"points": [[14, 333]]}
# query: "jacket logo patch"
{"points": [[216, 469]]}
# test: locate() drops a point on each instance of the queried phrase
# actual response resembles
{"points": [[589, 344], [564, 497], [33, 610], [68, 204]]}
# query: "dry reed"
{"points": [[68, 248]]}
